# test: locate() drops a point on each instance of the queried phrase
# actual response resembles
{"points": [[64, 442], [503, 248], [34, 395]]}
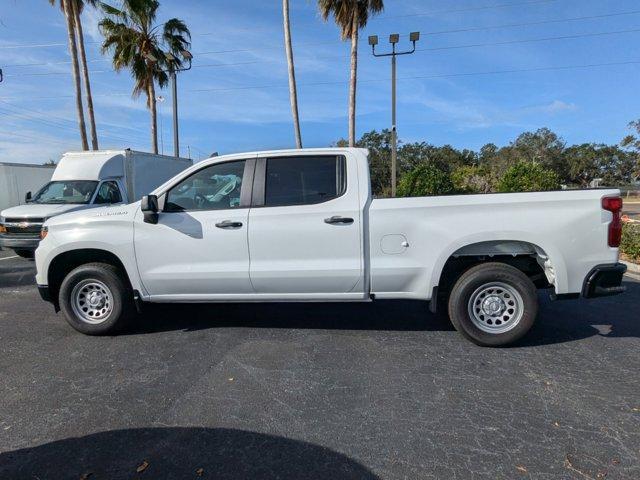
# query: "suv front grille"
{"points": [[23, 226]]}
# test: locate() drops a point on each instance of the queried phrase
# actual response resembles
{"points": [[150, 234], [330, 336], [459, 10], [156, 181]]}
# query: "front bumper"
{"points": [[604, 280], [22, 243], [45, 293]]}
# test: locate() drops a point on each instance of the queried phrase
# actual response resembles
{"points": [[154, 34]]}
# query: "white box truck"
{"points": [[16, 179], [85, 180]]}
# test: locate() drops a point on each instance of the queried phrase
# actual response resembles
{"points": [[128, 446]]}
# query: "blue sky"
{"points": [[236, 97]]}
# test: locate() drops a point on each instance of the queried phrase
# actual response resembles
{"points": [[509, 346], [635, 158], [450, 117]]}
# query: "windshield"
{"points": [[66, 191]]}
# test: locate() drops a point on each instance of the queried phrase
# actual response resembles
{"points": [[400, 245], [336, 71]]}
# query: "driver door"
{"points": [[198, 249]]}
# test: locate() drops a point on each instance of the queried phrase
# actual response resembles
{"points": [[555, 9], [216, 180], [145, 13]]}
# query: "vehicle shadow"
{"points": [[558, 322], [178, 453], [386, 315], [570, 320]]}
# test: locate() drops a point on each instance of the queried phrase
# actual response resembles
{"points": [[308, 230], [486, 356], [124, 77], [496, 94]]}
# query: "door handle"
{"points": [[338, 219], [228, 224]]}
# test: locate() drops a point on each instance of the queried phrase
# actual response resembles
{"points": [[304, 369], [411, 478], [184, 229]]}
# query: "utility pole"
{"points": [[394, 38], [173, 70], [160, 100]]}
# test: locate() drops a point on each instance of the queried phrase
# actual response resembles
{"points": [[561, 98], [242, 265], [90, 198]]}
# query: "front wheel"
{"points": [[94, 299], [493, 304]]}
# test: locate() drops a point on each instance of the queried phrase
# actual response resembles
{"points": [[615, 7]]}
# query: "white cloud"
{"points": [[558, 106]]}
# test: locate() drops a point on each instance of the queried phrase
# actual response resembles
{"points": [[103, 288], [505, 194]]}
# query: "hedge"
{"points": [[630, 244]]}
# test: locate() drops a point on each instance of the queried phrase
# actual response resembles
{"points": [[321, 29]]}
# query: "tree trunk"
{"points": [[151, 98], [85, 75], [73, 51], [293, 93], [353, 80]]}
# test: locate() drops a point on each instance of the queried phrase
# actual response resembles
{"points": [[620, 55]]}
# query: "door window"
{"points": [[108, 193], [304, 180], [216, 187]]}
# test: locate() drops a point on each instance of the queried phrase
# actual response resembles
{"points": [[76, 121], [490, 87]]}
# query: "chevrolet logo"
{"points": [[20, 224]]}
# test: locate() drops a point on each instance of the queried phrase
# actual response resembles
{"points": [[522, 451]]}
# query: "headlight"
{"points": [[3, 229], [43, 232]]}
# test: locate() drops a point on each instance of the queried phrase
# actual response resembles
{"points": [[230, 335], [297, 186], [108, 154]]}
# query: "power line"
{"points": [[274, 47], [435, 12], [431, 49], [49, 115], [466, 9], [417, 77], [422, 77], [16, 112], [530, 40], [529, 24]]}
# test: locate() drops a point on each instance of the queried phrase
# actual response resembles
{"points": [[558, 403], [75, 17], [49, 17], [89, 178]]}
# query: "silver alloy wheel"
{"points": [[495, 307], [92, 301]]}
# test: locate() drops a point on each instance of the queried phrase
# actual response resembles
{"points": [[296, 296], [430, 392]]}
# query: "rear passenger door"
{"points": [[305, 227]]}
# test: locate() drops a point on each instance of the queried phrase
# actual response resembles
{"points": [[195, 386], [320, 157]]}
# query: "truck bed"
{"points": [[567, 227]]}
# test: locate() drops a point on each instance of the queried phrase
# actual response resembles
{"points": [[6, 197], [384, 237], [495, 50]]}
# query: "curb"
{"points": [[631, 267]]}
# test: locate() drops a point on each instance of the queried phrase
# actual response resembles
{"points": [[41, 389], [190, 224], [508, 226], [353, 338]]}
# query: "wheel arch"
{"points": [[538, 260], [65, 262]]}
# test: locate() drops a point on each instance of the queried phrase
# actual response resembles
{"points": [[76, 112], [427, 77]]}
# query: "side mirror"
{"points": [[149, 207], [27, 197]]}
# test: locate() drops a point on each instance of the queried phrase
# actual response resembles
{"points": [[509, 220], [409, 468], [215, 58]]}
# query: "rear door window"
{"points": [[304, 180]]}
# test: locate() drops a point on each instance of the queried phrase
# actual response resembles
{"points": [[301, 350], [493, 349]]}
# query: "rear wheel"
{"points": [[493, 304], [25, 253], [95, 300]]}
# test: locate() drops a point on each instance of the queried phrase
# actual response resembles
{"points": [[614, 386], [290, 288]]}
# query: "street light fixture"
{"points": [[394, 38]]}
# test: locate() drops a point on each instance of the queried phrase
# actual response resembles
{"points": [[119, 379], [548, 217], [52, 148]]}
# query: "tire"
{"points": [[493, 304], [95, 300], [25, 253]]}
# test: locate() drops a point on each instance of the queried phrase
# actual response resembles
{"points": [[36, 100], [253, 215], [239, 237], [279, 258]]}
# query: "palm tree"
{"points": [[351, 16], [78, 6], [293, 93], [67, 9], [142, 46]]}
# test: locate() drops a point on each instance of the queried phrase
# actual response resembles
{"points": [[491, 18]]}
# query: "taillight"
{"points": [[614, 205]]}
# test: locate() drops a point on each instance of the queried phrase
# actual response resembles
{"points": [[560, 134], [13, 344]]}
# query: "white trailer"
{"points": [[16, 179]]}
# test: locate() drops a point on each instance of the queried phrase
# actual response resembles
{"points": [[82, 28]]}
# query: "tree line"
{"points": [[539, 160]]}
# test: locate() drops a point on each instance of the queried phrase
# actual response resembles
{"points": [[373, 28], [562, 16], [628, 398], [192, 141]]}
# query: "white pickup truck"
{"points": [[301, 225]]}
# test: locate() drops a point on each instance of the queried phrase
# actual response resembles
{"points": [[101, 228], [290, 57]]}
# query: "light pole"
{"points": [[160, 99], [173, 69], [394, 38]]}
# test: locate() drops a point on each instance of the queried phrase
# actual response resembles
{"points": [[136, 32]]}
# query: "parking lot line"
{"points": [[8, 258]]}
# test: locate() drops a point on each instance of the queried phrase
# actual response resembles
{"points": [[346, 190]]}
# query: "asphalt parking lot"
{"points": [[316, 391]]}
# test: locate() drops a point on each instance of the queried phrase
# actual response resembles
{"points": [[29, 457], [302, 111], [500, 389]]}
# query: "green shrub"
{"points": [[473, 179], [424, 180], [528, 177], [630, 244]]}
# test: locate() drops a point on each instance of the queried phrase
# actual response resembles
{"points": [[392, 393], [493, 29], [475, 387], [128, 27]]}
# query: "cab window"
{"points": [[304, 180], [216, 187]]}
